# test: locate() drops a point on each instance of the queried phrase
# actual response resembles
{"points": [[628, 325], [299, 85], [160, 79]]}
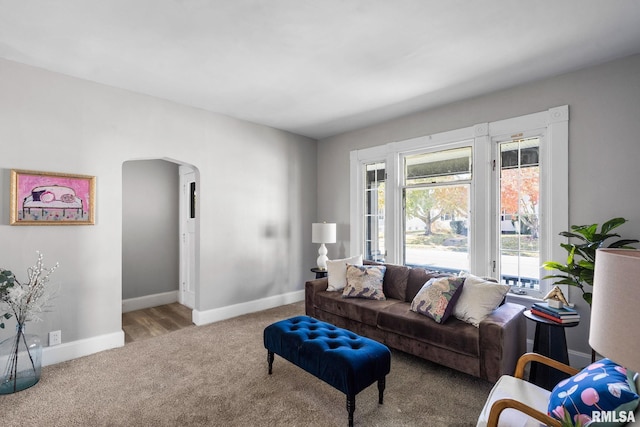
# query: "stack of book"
{"points": [[560, 315]]}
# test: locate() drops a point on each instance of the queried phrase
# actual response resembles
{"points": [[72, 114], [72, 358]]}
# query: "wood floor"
{"points": [[151, 322]]}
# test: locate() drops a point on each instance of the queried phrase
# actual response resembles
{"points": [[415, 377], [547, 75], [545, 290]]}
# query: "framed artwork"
{"points": [[47, 198]]}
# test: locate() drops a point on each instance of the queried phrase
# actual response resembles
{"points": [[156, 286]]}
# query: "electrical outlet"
{"points": [[55, 338]]}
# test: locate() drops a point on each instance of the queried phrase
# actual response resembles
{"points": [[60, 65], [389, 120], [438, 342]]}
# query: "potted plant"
{"points": [[581, 256], [20, 355]]}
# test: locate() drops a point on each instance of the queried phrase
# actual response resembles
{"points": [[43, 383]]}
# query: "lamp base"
{"points": [[322, 257]]}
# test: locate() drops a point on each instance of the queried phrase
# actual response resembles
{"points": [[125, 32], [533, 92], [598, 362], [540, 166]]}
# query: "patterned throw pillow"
{"points": [[602, 387], [365, 281], [437, 297]]}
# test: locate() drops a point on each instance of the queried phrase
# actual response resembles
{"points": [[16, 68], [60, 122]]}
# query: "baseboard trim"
{"points": [[223, 313], [148, 301], [85, 347], [577, 359], [79, 348]]}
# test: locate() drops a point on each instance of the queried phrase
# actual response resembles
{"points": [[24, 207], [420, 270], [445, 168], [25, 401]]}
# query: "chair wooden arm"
{"points": [[502, 404], [535, 357]]}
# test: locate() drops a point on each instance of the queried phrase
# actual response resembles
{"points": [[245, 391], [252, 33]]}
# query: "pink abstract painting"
{"points": [[42, 197]]}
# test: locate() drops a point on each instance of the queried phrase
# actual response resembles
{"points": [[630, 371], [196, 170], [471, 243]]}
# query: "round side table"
{"points": [[319, 273], [550, 341]]}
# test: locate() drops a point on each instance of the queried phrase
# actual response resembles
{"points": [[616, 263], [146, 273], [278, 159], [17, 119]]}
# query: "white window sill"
{"points": [[525, 300]]}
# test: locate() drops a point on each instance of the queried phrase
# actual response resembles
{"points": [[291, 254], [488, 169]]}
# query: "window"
{"points": [[374, 211], [519, 208], [436, 209], [490, 199]]}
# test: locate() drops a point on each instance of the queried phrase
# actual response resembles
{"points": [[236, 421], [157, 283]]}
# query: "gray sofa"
{"points": [[487, 351]]}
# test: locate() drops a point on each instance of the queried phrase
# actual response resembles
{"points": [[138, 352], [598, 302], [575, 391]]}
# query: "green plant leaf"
{"points": [[587, 231], [581, 257], [623, 243], [571, 255], [611, 224], [567, 281], [572, 235], [583, 263], [552, 265]]}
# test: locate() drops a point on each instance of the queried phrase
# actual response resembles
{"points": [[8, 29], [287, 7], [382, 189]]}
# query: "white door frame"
{"points": [[189, 237]]}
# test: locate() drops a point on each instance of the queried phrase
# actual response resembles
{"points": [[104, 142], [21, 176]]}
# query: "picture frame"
{"points": [[49, 198]]}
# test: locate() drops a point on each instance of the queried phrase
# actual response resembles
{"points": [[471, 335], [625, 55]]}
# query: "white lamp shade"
{"points": [[615, 307], [321, 232]]}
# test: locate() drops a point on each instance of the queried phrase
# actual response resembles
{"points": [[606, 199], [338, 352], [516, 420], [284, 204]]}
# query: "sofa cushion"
{"points": [[417, 278], [437, 298], [454, 334], [355, 309], [395, 279]]}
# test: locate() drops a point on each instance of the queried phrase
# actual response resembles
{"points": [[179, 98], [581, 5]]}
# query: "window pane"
{"points": [[436, 227], [374, 212], [437, 167], [519, 208]]}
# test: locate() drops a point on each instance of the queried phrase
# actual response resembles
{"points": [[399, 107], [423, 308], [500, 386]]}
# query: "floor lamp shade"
{"points": [[615, 307], [322, 232]]}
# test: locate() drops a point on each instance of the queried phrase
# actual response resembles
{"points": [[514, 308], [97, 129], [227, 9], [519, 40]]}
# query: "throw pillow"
{"points": [[364, 281], [337, 272], [437, 298], [479, 297], [601, 387]]}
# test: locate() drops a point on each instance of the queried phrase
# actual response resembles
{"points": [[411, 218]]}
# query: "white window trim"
{"points": [[554, 152]]}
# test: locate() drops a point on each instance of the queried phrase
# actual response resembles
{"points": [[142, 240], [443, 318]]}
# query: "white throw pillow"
{"points": [[479, 297], [337, 272]]}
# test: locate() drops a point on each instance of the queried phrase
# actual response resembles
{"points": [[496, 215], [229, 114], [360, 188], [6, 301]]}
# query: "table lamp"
{"points": [[615, 306], [323, 233]]}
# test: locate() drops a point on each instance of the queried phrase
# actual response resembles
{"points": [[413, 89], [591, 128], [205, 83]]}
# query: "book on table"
{"points": [[566, 319], [556, 312]]}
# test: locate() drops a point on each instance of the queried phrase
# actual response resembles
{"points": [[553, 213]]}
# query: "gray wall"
{"points": [[150, 236], [257, 194], [604, 150]]}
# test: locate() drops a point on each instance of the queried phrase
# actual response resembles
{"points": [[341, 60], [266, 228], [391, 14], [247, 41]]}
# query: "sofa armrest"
{"points": [[503, 339], [310, 289]]}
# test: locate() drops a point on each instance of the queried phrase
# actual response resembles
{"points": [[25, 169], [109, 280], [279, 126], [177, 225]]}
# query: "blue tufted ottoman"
{"points": [[339, 357]]}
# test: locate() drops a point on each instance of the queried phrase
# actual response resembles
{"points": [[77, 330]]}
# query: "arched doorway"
{"points": [[160, 244]]}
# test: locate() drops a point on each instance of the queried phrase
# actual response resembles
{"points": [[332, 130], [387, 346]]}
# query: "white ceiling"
{"points": [[316, 67]]}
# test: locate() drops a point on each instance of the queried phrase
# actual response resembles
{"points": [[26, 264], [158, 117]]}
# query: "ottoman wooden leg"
{"points": [[351, 408], [270, 360], [381, 385]]}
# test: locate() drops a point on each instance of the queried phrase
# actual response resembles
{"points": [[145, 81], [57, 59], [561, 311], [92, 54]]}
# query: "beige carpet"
{"points": [[216, 375]]}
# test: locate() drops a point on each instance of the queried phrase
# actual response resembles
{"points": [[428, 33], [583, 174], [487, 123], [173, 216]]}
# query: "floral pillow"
{"points": [[601, 388], [365, 281], [437, 297]]}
